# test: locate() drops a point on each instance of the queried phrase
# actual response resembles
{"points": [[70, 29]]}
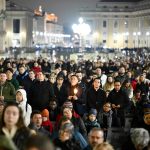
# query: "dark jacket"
{"points": [[40, 95], [21, 77], [67, 145], [119, 98], [61, 94], [95, 99], [20, 137], [91, 124], [80, 102]]}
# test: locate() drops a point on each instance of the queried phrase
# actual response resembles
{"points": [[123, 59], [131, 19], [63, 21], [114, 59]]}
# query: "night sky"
{"points": [[66, 10]]}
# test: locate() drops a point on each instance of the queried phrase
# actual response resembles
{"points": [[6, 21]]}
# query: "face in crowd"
{"points": [[117, 85], [96, 137]]}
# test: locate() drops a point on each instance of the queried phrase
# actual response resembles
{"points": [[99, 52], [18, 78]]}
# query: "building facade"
{"points": [[119, 24]]}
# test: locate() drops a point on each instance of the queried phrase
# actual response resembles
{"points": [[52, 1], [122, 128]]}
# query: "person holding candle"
{"points": [[76, 95]]}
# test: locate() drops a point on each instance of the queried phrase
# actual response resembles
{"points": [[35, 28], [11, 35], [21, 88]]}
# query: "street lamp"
{"points": [[83, 29]]}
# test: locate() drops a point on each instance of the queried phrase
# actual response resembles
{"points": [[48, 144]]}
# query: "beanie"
{"points": [[45, 113], [93, 111], [68, 104]]}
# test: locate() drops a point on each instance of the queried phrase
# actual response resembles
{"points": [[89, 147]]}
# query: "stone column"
{"points": [[2, 25]]}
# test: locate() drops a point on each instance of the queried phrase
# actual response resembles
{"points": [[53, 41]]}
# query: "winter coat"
{"points": [[48, 125], [20, 137], [26, 108], [91, 124], [95, 99], [67, 145], [8, 91], [119, 98], [21, 77], [61, 94], [105, 119], [80, 102], [40, 95]]}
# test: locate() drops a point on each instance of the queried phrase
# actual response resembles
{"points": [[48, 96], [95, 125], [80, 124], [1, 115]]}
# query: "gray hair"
{"points": [[140, 137]]}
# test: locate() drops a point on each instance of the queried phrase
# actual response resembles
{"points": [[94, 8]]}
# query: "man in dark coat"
{"points": [[95, 96], [76, 95], [120, 101], [41, 93]]}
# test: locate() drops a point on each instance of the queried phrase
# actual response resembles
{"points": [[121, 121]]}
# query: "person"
{"points": [[120, 101], [95, 96], [142, 85], [40, 93], [137, 140], [95, 137], [21, 99], [12, 125], [22, 75], [38, 142], [36, 124], [2, 105], [11, 79], [104, 146], [105, 118], [65, 141], [76, 135], [91, 122], [46, 123], [60, 90], [53, 109], [28, 81], [76, 95], [127, 87], [77, 121], [7, 90], [121, 75], [109, 85], [101, 76]]}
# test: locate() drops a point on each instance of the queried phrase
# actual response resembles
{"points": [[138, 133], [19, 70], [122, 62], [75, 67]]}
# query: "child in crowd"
{"points": [[105, 118], [21, 99], [46, 123], [91, 122]]}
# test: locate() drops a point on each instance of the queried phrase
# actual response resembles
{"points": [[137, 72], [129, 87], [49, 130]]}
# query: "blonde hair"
{"points": [[104, 146]]}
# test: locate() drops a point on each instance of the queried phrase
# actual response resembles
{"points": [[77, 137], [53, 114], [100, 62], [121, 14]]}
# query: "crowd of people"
{"points": [[74, 106]]}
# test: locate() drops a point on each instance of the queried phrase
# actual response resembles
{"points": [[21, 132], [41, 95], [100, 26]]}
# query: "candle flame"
{"points": [[75, 91]]}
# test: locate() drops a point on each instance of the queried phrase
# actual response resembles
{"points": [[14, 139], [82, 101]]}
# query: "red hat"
{"points": [[45, 113]]}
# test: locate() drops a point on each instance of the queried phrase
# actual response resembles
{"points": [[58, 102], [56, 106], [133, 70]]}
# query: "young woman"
{"points": [[21, 99], [12, 125]]}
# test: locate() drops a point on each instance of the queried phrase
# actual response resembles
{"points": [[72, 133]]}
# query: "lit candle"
{"points": [[75, 91]]}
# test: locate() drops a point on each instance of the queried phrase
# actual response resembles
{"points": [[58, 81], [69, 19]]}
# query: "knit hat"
{"points": [[93, 111], [45, 113], [68, 104], [2, 102]]}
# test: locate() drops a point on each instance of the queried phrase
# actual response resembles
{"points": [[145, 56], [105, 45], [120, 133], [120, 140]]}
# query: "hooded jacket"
{"points": [[26, 108]]}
